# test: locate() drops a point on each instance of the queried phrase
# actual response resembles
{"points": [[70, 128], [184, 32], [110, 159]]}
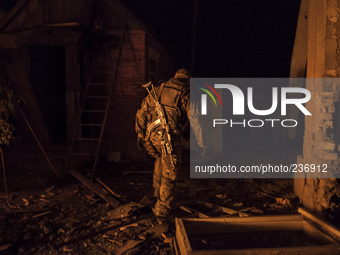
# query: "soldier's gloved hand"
{"points": [[140, 143], [203, 151]]}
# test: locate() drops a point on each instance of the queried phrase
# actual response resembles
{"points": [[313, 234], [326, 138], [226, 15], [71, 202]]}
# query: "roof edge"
{"points": [[14, 11]]}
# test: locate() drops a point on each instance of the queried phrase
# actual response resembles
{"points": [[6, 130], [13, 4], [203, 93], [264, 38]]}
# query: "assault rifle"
{"points": [[166, 138]]}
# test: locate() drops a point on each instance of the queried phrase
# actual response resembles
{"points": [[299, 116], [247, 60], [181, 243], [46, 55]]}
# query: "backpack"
{"points": [[169, 94]]}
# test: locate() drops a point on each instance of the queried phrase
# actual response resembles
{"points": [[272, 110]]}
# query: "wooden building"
{"points": [[63, 45]]}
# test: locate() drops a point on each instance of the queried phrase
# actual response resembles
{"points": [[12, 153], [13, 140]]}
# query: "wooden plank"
{"points": [[272, 218], [67, 24], [115, 194], [331, 230], [37, 36], [235, 224], [315, 233], [191, 210], [182, 238], [94, 188], [220, 227], [70, 102], [224, 209], [72, 87], [192, 201], [310, 250], [185, 247], [175, 246]]}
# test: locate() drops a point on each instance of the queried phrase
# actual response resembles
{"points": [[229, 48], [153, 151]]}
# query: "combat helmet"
{"points": [[182, 74]]}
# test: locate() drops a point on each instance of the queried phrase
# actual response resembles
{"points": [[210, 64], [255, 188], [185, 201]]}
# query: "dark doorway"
{"points": [[47, 75]]}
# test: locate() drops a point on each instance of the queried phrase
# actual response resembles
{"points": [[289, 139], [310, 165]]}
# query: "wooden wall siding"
{"points": [[128, 93], [59, 11], [73, 90], [46, 36], [21, 85], [42, 12], [45, 12]]}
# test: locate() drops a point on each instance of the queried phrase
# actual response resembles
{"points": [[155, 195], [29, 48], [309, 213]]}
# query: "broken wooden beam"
{"points": [[41, 214], [115, 194], [320, 224], [224, 209], [191, 211], [110, 200]]}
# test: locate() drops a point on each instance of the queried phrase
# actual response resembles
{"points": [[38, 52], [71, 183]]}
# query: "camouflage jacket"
{"points": [[176, 102]]}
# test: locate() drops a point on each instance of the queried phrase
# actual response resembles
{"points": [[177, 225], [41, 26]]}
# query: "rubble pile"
{"points": [[69, 218]]}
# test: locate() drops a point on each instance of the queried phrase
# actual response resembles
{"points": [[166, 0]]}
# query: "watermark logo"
{"points": [[204, 97], [238, 99]]}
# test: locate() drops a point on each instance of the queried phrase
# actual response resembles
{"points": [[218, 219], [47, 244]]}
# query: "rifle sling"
{"points": [[160, 91]]}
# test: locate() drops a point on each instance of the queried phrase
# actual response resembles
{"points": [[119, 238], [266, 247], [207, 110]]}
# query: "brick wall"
{"points": [[320, 146], [128, 92]]}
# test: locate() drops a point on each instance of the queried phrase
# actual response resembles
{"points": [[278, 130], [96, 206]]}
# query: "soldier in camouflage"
{"points": [[174, 97]]}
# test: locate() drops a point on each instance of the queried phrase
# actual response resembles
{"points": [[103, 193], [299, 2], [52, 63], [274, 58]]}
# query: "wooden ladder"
{"points": [[87, 139]]}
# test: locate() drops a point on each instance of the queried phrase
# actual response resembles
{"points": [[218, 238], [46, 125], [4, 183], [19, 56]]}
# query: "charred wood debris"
{"points": [[69, 218]]}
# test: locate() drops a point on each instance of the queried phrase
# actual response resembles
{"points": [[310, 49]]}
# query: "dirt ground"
{"points": [[65, 217]]}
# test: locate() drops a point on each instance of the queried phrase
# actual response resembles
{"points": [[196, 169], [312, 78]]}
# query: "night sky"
{"points": [[235, 38]]}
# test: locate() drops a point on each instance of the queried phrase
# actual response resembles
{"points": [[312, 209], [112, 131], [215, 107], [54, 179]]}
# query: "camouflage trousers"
{"points": [[165, 177]]}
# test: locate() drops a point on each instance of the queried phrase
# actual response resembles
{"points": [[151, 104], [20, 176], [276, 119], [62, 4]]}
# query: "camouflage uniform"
{"points": [[175, 99], [196, 125]]}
